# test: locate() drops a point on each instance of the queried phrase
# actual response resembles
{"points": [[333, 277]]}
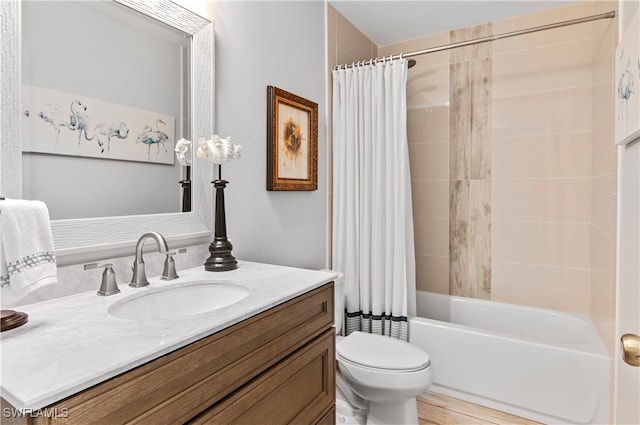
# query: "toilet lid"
{"points": [[381, 352]]}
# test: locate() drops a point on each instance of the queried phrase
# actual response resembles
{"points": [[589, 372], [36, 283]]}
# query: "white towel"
{"points": [[27, 254]]}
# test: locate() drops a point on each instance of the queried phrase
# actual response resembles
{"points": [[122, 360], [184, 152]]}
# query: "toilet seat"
{"points": [[381, 353]]}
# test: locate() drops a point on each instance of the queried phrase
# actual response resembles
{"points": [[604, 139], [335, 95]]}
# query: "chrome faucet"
{"points": [[139, 278]]}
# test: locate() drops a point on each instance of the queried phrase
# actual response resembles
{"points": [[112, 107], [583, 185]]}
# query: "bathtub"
{"points": [[543, 365]]}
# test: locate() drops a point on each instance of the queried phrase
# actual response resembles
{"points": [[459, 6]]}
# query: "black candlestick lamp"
{"points": [[220, 248]]}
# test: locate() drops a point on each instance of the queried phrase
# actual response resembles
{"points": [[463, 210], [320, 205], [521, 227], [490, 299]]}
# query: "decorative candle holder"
{"points": [[219, 151], [220, 248]]}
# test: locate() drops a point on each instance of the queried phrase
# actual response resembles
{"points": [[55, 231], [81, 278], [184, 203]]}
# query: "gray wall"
{"points": [[259, 44]]}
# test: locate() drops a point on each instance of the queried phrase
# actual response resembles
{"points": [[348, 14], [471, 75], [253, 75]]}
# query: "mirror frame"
{"points": [[90, 239]]}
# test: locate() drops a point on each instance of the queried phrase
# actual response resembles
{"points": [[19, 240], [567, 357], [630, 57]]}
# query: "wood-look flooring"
{"points": [[437, 409]]}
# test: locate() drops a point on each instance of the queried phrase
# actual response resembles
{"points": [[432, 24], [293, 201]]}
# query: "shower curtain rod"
{"points": [[607, 15]]}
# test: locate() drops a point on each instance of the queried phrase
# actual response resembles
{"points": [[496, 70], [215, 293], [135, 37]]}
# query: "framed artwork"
{"points": [[292, 141], [627, 84]]}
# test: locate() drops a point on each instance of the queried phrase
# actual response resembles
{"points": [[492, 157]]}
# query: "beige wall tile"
{"points": [[332, 39], [553, 244], [459, 122], [605, 280], [604, 166], [603, 248], [605, 41], [428, 125], [605, 32], [432, 273], [603, 107], [428, 87], [548, 91], [481, 50], [604, 200], [421, 43], [572, 32], [602, 6], [546, 112], [474, 51], [543, 68], [557, 288], [480, 136], [461, 54], [543, 200], [459, 238], [431, 236], [343, 57], [602, 312], [605, 153], [430, 198], [480, 238], [542, 156], [603, 80], [352, 41], [429, 160]]}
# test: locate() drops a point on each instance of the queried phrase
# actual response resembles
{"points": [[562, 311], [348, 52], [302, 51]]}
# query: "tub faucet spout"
{"points": [[139, 278]]}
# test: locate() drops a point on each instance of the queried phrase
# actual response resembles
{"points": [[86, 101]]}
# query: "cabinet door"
{"points": [[298, 390]]}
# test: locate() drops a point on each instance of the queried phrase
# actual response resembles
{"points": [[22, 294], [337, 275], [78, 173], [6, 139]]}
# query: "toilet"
{"points": [[378, 378]]}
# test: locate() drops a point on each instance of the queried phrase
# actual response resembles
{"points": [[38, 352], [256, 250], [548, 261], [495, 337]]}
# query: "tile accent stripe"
{"points": [[459, 237], [470, 165]]}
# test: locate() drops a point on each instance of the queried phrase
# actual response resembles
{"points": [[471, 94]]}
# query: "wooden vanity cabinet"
{"points": [[277, 367]]}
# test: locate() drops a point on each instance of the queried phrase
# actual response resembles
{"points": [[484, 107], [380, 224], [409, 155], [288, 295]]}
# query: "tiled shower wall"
{"points": [[603, 179], [512, 160], [513, 165]]}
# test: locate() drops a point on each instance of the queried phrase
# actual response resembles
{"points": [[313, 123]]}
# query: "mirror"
{"points": [[106, 92], [84, 239]]}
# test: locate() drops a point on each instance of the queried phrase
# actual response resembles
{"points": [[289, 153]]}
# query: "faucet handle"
{"points": [[169, 269], [108, 286]]}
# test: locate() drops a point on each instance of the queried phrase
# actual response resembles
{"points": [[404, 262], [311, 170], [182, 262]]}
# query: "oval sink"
{"points": [[178, 301]]}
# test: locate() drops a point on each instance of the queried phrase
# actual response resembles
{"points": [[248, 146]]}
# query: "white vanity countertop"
{"points": [[72, 343]]}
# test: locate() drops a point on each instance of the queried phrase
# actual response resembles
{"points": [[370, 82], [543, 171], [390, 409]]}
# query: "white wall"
{"points": [[627, 378], [259, 44]]}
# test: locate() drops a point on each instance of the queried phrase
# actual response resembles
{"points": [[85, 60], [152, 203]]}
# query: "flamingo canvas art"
{"points": [[70, 124]]}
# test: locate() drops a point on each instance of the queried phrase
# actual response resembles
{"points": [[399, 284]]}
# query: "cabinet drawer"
{"points": [[299, 390], [176, 387]]}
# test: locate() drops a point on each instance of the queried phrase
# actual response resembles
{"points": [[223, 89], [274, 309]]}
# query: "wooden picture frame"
{"points": [[292, 141]]}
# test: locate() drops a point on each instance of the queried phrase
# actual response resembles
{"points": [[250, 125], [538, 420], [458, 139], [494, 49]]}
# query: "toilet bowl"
{"points": [[379, 377]]}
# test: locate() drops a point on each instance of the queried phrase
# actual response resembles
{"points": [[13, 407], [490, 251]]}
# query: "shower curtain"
{"points": [[372, 236]]}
